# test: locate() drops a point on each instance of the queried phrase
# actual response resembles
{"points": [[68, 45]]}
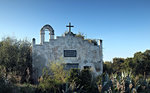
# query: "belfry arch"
{"points": [[42, 32]]}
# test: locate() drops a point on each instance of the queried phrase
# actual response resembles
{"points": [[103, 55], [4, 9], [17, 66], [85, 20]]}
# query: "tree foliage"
{"points": [[16, 58], [53, 79], [107, 67], [139, 64], [82, 81]]}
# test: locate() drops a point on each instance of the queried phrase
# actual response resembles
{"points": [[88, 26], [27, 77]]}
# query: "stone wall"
{"points": [[88, 54]]}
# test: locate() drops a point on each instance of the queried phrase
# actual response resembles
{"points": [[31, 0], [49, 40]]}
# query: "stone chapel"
{"points": [[75, 51]]}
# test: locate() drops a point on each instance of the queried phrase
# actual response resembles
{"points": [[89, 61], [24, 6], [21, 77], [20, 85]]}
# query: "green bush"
{"points": [[5, 85], [82, 81], [26, 88]]}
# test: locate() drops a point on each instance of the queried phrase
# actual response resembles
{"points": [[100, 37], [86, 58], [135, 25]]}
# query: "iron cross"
{"points": [[69, 27]]}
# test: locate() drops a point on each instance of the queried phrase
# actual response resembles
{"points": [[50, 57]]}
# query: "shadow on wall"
{"points": [[38, 63]]}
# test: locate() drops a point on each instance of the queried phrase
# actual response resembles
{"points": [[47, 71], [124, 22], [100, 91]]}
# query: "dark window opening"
{"points": [[70, 53], [87, 67], [71, 66]]}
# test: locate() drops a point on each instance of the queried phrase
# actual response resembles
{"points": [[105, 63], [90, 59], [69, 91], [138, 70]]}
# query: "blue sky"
{"points": [[124, 25]]}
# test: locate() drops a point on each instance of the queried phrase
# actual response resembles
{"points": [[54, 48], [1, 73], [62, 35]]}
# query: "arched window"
{"points": [[42, 32]]}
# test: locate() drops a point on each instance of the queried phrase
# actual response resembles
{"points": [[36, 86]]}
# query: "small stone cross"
{"points": [[69, 27]]}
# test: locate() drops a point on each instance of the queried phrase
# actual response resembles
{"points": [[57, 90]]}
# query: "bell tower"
{"points": [[42, 33]]}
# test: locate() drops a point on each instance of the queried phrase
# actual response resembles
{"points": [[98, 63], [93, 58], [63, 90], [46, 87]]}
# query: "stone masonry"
{"points": [[75, 51]]}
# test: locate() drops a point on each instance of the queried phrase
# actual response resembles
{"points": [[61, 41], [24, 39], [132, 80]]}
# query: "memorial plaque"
{"points": [[69, 66], [70, 53]]}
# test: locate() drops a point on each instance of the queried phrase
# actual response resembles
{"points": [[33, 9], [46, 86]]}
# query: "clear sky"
{"points": [[123, 25]]}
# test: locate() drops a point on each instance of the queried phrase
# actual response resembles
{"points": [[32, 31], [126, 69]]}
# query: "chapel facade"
{"points": [[75, 51]]}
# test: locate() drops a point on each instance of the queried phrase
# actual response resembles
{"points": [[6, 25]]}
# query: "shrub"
{"points": [[5, 85]]}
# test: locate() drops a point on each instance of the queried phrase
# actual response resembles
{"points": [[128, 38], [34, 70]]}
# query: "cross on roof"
{"points": [[69, 27]]}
